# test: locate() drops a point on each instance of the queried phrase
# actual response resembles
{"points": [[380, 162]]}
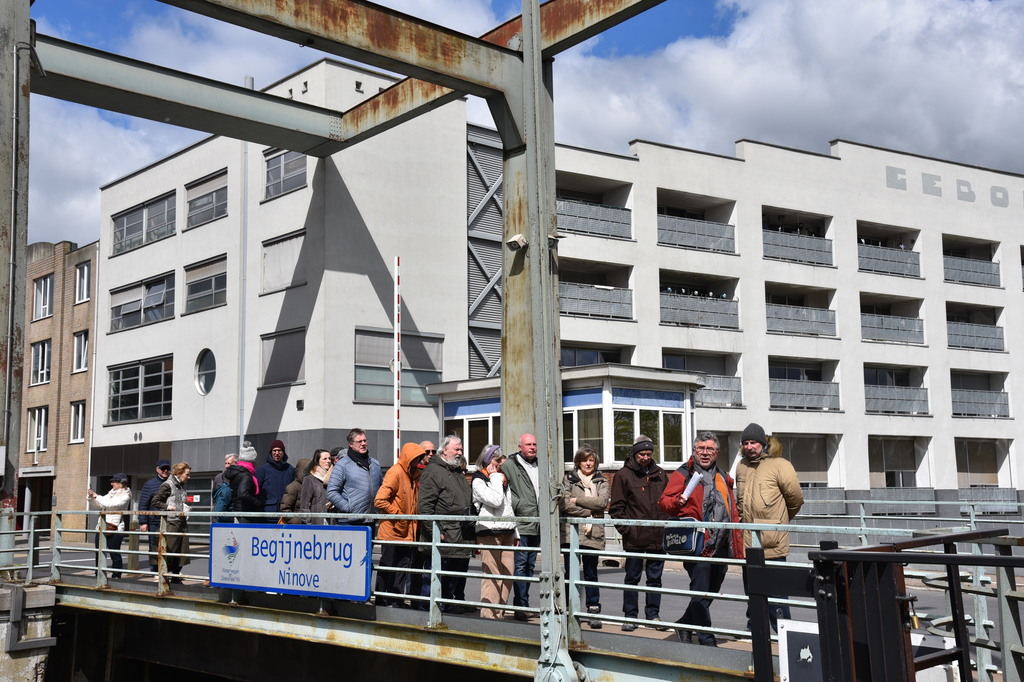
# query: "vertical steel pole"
{"points": [[14, 109], [531, 386]]}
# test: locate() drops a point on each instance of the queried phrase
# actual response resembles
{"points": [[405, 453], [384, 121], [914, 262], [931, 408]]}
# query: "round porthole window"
{"points": [[206, 371]]}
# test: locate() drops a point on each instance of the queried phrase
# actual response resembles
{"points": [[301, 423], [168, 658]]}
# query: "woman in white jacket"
{"points": [[113, 522], [492, 499]]}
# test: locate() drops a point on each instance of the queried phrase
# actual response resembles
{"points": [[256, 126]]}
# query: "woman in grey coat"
{"points": [[171, 498], [585, 494]]}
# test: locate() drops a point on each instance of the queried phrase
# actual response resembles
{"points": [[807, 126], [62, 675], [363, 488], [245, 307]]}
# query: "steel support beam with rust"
{"points": [[108, 81], [374, 35]]}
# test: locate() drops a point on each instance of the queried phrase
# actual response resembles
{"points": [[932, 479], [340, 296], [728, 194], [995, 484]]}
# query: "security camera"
{"points": [[516, 242]]}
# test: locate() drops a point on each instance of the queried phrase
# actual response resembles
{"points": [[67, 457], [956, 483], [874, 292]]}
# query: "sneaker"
{"points": [[628, 627], [594, 623], [659, 627]]}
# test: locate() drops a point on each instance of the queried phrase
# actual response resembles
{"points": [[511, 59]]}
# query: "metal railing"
{"points": [[796, 319], [974, 336], [597, 219], [888, 260], [891, 328], [592, 300], [895, 399], [702, 235], [699, 311], [970, 403], [970, 271], [720, 390], [803, 395], [799, 248]]}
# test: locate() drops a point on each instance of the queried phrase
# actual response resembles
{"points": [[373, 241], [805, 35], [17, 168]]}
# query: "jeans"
{"points": [[524, 563], [453, 586], [113, 542], [588, 569], [652, 601], [704, 577], [389, 581]]}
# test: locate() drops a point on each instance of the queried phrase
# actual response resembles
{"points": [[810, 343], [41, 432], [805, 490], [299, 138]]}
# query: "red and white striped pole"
{"points": [[397, 359]]}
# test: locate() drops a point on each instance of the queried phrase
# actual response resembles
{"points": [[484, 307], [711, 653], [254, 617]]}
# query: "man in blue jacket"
{"points": [[274, 476], [151, 524], [355, 479]]}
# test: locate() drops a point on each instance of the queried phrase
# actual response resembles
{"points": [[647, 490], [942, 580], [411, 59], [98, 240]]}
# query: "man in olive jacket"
{"points": [[445, 491], [522, 471], [767, 491], [636, 489]]}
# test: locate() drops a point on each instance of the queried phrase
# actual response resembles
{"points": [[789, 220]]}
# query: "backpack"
{"points": [[222, 500]]}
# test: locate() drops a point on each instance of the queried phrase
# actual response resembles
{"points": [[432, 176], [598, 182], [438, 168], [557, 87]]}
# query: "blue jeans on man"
{"points": [[635, 567], [524, 566], [704, 577]]}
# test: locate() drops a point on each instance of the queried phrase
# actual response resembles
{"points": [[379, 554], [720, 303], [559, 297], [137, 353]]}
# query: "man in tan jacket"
{"points": [[767, 491]]}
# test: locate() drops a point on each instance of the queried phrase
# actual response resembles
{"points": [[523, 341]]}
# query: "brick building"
{"points": [[58, 380]]}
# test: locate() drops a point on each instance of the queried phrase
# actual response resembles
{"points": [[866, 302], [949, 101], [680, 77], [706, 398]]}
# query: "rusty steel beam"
{"points": [[564, 23], [377, 36]]}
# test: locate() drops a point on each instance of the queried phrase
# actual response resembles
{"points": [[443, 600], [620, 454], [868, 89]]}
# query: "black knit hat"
{"points": [[643, 446], [754, 432]]}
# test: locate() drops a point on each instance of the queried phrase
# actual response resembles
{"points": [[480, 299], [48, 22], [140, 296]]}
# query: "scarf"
{"points": [[321, 474], [588, 486], [361, 459], [715, 494], [251, 468]]}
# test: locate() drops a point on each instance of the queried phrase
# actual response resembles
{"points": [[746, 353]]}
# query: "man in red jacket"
{"points": [[712, 499]]}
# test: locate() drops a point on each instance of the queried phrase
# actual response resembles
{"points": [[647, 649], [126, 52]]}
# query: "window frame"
{"points": [[76, 428], [37, 426], [213, 191], [153, 303], [83, 282], [270, 340], [217, 279], [142, 232], [42, 358], [81, 352], [144, 370], [42, 302], [414, 378], [278, 179]]}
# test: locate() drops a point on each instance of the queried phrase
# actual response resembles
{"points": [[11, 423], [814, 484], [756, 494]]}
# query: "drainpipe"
{"points": [[243, 250]]}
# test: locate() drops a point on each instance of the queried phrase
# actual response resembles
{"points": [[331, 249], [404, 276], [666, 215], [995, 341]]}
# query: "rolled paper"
{"points": [[694, 482]]}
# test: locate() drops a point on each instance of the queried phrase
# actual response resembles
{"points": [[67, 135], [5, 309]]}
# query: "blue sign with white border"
{"points": [[318, 561]]}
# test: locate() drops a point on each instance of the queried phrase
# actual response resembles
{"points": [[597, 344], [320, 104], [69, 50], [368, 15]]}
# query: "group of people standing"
{"points": [[495, 505]]}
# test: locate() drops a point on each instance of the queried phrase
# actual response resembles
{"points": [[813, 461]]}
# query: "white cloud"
{"points": [[935, 77]]}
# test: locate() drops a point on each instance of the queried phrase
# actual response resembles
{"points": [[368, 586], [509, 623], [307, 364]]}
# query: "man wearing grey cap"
{"points": [[152, 523]]}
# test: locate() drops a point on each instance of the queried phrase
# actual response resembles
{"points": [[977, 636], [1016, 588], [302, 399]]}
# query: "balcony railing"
{"points": [[823, 500], [990, 499], [799, 248], [891, 328], [971, 271], [895, 399], [974, 336], [699, 311], [879, 496], [595, 301], [795, 319], [598, 219], [702, 235], [970, 403], [794, 394], [888, 260], [720, 390]]}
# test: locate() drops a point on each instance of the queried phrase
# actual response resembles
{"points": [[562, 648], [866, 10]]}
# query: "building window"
{"points": [[892, 462], [40, 363], [147, 223], [576, 357], [579, 427], [140, 391], [37, 421], [284, 355], [474, 432], [83, 281], [794, 371], [78, 421], [207, 199], [977, 463], [881, 376], [144, 303], [664, 427], [206, 285], [285, 171], [421, 365], [81, 351], [43, 300], [206, 371], [284, 262]]}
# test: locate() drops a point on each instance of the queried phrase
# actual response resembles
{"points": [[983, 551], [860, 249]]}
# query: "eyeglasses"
{"points": [[362, 440], [430, 452], [710, 449], [165, 468], [277, 450]]}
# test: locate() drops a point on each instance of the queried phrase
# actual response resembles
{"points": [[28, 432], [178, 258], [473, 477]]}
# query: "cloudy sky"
{"points": [[943, 78]]}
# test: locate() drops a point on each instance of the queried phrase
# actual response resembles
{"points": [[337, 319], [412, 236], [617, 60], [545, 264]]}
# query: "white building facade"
{"points": [[858, 304]]}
